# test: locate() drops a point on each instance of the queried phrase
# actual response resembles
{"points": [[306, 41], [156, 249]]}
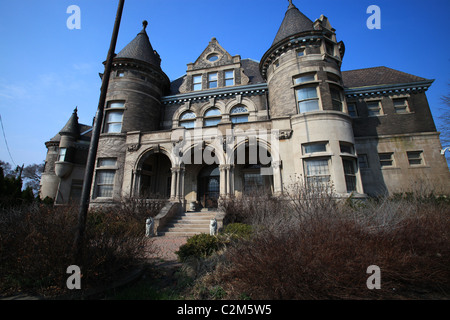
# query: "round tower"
{"points": [[135, 88], [133, 104], [303, 72]]}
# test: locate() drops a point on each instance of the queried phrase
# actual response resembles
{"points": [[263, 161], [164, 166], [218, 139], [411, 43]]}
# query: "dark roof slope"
{"points": [[294, 22], [71, 127], [376, 76], [141, 49]]}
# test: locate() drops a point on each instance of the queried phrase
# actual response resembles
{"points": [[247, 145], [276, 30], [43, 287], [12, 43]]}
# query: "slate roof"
{"points": [[294, 22], [141, 49], [71, 127], [377, 76]]}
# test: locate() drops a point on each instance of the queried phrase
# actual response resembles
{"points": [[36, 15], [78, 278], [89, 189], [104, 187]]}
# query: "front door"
{"points": [[209, 186]]}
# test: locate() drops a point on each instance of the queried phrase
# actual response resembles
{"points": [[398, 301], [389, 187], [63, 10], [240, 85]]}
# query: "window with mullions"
{"points": [[350, 174], [62, 154], [336, 98], [386, 159], [414, 158], [197, 83], [401, 105], [352, 111], [308, 99], [212, 117], [113, 117], [374, 108], [239, 114], [314, 147], [229, 78], [304, 78], [187, 120], [212, 80], [105, 177], [317, 171]]}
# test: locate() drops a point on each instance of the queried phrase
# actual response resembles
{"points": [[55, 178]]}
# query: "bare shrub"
{"points": [[322, 247], [36, 245]]}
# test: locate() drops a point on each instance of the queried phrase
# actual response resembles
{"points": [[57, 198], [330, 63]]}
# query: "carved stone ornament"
{"points": [[134, 147], [283, 134]]}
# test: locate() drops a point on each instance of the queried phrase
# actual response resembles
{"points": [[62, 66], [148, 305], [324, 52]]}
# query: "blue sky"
{"points": [[47, 69]]}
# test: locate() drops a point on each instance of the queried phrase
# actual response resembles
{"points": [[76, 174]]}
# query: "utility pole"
{"points": [[88, 176]]}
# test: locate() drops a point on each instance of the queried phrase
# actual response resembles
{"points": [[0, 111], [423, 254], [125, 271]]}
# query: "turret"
{"points": [[302, 69], [135, 89]]}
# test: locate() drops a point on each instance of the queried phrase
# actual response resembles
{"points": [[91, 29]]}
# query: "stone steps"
{"points": [[188, 224]]}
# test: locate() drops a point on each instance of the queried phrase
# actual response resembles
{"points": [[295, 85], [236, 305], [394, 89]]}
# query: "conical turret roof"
{"points": [[71, 127], [294, 22], [141, 49]]}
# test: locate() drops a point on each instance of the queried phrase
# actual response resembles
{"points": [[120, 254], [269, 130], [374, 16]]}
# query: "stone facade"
{"points": [[231, 126]]}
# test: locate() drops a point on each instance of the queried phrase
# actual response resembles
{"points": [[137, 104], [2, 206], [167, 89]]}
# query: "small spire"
{"points": [[76, 109], [291, 5], [144, 24]]}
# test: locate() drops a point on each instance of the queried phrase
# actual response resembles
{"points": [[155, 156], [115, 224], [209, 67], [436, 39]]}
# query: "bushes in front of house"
{"points": [[37, 246], [314, 246]]}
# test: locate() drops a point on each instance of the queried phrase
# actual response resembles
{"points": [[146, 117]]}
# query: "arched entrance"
{"points": [[253, 172], [154, 176], [208, 186]]}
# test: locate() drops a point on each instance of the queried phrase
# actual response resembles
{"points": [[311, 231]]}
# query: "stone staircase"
{"points": [[188, 224]]}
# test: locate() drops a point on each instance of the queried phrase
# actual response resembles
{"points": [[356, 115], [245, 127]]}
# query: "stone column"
{"points": [[173, 184], [277, 183], [223, 180], [181, 183]]}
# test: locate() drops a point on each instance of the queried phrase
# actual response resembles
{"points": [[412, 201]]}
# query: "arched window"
{"points": [[239, 114], [212, 117], [187, 120]]}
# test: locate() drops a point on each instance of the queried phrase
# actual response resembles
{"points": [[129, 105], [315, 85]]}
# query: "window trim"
{"points": [[355, 109], [103, 169], [316, 98], [212, 117], [109, 110], [227, 78], [420, 152], [216, 81], [406, 105], [316, 143], [194, 83], [239, 115], [333, 100], [391, 159], [369, 109], [319, 158], [182, 121], [366, 161], [62, 154]]}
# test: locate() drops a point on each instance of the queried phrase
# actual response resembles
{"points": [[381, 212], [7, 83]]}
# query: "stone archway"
{"points": [[153, 176]]}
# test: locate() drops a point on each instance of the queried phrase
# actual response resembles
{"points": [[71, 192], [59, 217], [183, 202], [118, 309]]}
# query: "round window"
{"points": [[213, 57]]}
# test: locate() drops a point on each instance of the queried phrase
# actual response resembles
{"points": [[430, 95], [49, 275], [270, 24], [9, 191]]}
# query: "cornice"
{"points": [[227, 92]]}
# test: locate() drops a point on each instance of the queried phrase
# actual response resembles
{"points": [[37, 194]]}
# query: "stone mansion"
{"points": [[231, 125]]}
